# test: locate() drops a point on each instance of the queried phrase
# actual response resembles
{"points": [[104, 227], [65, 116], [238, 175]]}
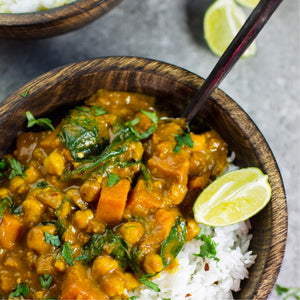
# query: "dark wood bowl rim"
{"points": [[52, 14], [279, 211]]}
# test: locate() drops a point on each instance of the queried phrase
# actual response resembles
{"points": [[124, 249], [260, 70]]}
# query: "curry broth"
{"points": [[90, 208]]}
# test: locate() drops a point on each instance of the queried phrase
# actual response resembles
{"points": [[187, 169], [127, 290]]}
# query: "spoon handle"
{"points": [[237, 47]]}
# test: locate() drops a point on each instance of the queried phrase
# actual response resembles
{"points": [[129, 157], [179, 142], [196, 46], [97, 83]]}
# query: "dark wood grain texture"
{"points": [[53, 21], [174, 88]]}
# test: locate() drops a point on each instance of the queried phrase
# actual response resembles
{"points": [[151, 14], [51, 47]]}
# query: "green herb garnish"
{"points": [[174, 242], [152, 116], [3, 204], [16, 168], [42, 184], [26, 93], [51, 239], [112, 179], [45, 280], [98, 111], [67, 253], [2, 167], [288, 292], [183, 139], [22, 289], [208, 249], [42, 122], [148, 283]]}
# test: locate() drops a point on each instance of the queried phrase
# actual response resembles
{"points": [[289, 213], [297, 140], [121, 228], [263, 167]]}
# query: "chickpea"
{"points": [[33, 210], [82, 218], [36, 238], [4, 192], [104, 265], [32, 174], [192, 229], [132, 232], [90, 191], [130, 281], [18, 185], [112, 284], [54, 163], [153, 263]]}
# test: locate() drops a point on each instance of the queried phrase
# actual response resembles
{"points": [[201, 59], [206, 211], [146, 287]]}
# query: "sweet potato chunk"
{"points": [[10, 231], [140, 201], [112, 202], [77, 285]]}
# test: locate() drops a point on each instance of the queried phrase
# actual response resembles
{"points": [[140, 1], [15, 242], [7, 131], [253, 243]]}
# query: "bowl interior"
{"points": [[173, 87], [54, 21]]}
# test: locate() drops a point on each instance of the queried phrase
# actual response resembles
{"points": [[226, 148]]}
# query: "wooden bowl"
{"points": [[53, 21], [173, 87]]}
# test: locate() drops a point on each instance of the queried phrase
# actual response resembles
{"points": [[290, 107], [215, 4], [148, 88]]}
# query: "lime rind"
{"points": [[233, 197], [222, 20], [248, 3]]}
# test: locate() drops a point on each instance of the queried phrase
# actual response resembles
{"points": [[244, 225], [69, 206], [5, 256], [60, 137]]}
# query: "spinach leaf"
{"points": [[115, 246], [2, 167], [51, 239], [208, 249], [148, 283], [174, 242], [22, 289], [112, 179], [67, 253], [3, 204], [16, 168], [42, 122], [45, 280], [79, 133], [183, 139]]}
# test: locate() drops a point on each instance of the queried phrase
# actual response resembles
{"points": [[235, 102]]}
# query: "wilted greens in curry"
{"points": [[103, 203]]}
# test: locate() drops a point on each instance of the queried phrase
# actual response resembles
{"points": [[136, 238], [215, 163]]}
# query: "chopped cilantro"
{"points": [[148, 283], [22, 289], [287, 292], [16, 168], [98, 111], [2, 166], [26, 93], [42, 122], [67, 253], [51, 239], [183, 139], [45, 280], [112, 179], [83, 108], [208, 249], [152, 116]]}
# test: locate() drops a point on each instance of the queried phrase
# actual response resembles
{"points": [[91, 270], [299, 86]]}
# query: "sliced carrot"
{"points": [[112, 202], [10, 231]]}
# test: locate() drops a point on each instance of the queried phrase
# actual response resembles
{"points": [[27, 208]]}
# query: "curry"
{"points": [[100, 204]]}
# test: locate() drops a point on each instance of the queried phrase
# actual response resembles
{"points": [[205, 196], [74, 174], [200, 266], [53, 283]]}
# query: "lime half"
{"points": [[222, 21], [248, 3], [233, 197]]}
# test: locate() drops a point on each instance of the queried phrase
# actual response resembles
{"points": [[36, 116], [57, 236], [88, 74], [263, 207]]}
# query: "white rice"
{"points": [[25, 6], [191, 281]]}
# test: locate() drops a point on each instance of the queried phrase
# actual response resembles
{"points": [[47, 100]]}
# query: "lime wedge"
{"points": [[248, 3], [222, 20], [233, 197]]}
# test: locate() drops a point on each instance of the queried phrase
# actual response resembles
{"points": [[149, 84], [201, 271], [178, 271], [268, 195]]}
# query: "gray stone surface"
{"points": [[266, 85]]}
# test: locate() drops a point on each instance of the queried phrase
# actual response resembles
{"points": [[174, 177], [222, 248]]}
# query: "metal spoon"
{"points": [[238, 46]]}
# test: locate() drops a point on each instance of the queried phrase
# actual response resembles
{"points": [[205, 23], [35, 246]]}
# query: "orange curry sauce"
{"points": [[94, 205]]}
